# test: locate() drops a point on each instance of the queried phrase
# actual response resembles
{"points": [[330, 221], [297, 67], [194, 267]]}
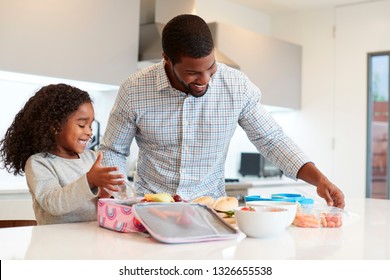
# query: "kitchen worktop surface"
{"points": [[364, 235]]}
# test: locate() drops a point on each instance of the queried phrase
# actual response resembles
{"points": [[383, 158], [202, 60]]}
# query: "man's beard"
{"points": [[188, 88]]}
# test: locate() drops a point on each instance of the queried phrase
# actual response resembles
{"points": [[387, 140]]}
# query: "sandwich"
{"points": [[205, 200], [225, 206]]}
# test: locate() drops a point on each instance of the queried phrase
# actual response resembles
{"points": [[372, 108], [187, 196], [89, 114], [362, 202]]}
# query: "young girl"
{"points": [[47, 142]]}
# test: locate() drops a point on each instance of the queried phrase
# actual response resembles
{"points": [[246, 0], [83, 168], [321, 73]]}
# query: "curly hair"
{"points": [[186, 36], [32, 130]]}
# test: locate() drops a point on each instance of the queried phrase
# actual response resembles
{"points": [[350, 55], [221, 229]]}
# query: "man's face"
{"points": [[192, 75]]}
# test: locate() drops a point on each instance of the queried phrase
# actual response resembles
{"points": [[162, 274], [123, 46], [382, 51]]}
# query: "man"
{"points": [[183, 113]]}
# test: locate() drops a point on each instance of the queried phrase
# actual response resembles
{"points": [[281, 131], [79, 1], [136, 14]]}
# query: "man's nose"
{"points": [[203, 78]]}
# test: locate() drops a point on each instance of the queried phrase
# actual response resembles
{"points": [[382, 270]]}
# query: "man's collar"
{"points": [[162, 78]]}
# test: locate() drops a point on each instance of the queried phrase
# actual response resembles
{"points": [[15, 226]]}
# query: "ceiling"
{"points": [[283, 6]]}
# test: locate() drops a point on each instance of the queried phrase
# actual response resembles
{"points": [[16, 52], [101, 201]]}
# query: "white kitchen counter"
{"points": [[364, 237]]}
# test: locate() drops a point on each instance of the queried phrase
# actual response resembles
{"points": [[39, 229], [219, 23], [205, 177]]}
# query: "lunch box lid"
{"points": [[182, 222]]}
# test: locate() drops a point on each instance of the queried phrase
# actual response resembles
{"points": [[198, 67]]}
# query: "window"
{"points": [[378, 126]]}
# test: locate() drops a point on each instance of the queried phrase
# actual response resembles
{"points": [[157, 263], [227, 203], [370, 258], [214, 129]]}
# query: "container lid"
{"points": [[183, 222], [288, 197]]}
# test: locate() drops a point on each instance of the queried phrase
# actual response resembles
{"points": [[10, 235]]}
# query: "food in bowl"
{"points": [[262, 222], [290, 206], [248, 208]]}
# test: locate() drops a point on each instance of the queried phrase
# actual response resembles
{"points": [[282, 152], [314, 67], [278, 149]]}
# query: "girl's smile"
{"points": [[75, 132]]}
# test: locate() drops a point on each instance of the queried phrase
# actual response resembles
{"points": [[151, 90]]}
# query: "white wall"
{"points": [[332, 126], [233, 14], [361, 29]]}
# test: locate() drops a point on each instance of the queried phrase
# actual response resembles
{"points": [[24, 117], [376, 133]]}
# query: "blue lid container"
{"points": [[288, 197]]}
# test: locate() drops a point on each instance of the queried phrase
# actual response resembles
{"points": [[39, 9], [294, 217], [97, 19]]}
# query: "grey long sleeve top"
{"points": [[59, 188]]}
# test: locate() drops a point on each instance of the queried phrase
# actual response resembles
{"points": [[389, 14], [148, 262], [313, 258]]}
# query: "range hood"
{"points": [[150, 49], [154, 14]]}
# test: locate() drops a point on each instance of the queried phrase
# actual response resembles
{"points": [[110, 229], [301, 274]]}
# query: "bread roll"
{"points": [[205, 200], [225, 204]]}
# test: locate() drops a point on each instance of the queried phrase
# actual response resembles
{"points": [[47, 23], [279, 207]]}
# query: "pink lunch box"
{"points": [[117, 215]]}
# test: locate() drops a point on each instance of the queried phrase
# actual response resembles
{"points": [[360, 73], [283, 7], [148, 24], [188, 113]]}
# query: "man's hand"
{"points": [[332, 194], [325, 189]]}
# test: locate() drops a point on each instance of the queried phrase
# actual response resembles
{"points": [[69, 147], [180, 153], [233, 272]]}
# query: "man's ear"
{"points": [[166, 59]]}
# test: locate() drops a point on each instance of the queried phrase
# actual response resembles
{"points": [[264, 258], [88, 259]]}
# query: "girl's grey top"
{"points": [[59, 188]]}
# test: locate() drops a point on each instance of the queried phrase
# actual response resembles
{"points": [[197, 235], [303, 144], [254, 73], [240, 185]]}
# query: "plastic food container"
{"points": [[319, 216], [331, 217], [287, 197], [307, 217]]}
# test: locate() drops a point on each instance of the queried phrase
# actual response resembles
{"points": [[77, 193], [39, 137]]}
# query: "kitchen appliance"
{"points": [[257, 165], [95, 140], [154, 16], [237, 189]]}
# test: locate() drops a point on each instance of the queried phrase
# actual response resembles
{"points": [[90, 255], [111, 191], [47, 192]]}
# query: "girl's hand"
{"points": [[102, 193], [104, 176]]}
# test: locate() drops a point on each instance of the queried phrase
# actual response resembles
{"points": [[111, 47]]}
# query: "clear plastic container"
{"points": [[126, 192], [307, 216], [331, 217], [312, 216]]}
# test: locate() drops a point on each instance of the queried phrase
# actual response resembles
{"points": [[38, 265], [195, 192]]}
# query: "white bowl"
{"points": [[265, 221], [290, 206]]}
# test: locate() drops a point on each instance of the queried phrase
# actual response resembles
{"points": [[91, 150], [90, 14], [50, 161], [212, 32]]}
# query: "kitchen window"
{"points": [[378, 183]]}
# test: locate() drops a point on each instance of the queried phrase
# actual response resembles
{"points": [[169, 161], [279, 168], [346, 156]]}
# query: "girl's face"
{"points": [[75, 133]]}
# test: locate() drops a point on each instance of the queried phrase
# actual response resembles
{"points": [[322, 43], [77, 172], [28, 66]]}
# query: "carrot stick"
{"points": [[157, 213]]}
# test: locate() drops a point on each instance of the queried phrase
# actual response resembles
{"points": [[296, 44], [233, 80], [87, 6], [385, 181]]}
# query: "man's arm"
{"points": [[325, 189], [119, 133]]}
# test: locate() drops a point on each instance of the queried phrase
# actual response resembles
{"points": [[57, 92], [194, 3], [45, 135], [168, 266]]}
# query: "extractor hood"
{"points": [[154, 14], [150, 48]]}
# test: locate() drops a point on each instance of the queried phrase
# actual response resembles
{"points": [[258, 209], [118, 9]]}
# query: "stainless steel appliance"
{"points": [[237, 189]]}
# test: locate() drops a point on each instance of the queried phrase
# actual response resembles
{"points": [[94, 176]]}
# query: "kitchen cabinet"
{"points": [[274, 65], [16, 205], [90, 40]]}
